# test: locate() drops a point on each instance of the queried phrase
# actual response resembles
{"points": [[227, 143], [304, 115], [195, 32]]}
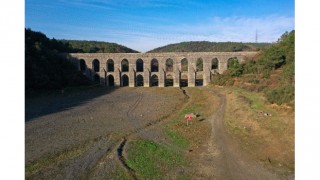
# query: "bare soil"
{"points": [[93, 128], [85, 139]]}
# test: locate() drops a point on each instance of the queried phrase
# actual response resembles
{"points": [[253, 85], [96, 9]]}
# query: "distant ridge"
{"points": [[84, 46], [205, 46]]}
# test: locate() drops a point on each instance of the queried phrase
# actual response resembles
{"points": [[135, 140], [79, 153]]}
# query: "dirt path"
{"points": [[222, 158], [103, 126]]}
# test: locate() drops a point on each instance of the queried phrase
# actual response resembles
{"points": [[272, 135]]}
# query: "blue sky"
{"points": [[147, 24]]}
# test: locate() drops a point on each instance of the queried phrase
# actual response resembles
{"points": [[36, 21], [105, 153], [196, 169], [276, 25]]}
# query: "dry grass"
{"points": [[193, 136], [267, 138]]}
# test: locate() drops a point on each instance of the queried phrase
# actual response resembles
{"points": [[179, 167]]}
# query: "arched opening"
{"points": [[199, 80], [184, 65], [124, 65], [110, 65], [184, 80], [154, 80], [199, 64], [96, 65], [235, 69], [83, 65], [169, 65], [111, 80], [139, 80], [154, 65], [96, 78], [214, 63], [169, 80], [139, 65], [232, 62], [125, 80]]}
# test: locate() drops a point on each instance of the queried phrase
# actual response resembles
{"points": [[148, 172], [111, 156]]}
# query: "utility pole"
{"points": [[256, 36]]}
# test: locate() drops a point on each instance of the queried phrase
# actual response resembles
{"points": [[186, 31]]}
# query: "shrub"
{"points": [[281, 95]]}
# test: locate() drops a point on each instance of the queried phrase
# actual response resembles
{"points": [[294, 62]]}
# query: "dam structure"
{"points": [[175, 69]]}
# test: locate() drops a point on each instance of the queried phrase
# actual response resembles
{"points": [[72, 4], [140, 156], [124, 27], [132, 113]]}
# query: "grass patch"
{"points": [[119, 174], [267, 138], [177, 138], [151, 160], [52, 160]]}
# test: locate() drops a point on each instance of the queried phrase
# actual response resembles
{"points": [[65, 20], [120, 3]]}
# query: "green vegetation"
{"points": [[82, 46], [271, 72], [45, 68], [177, 138], [54, 160], [268, 138], [151, 160], [205, 46], [118, 174]]}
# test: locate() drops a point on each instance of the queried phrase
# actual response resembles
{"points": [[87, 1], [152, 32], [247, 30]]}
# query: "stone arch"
{"points": [[139, 81], [214, 63], [232, 61], [96, 65], [169, 80], [110, 65], [199, 79], [124, 65], [184, 80], [154, 80], [125, 80], [111, 80], [154, 65], [169, 65], [184, 65], [139, 65], [96, 78], [83, 65], [199, 64]]}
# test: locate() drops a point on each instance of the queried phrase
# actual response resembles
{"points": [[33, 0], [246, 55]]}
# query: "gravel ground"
{"points": [[95, 122], [83, 135]]}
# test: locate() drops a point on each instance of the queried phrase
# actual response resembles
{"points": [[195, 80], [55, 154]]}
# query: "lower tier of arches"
{"points": [[153, 79]]}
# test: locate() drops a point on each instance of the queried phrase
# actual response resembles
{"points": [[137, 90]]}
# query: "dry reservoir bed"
{"points": [[59, 123]]}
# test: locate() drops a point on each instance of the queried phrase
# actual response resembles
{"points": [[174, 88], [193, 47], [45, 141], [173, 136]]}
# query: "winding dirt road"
{"points": [[223, 159], [115, 118]]}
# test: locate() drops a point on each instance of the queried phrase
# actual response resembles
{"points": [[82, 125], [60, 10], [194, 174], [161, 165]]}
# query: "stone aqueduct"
{"points": [[154, 69]]}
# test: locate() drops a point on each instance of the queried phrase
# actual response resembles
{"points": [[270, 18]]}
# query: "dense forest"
{"points": [[205, 46], [80, 46], [46, 69], [271, 72]]}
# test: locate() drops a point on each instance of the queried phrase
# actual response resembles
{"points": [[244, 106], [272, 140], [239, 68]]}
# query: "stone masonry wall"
{"points": [[119, 76]]}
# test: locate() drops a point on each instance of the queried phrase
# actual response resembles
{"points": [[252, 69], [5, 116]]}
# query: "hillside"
{"points": [[45, 69], [272, 72], [205, 46], [82, 46]]}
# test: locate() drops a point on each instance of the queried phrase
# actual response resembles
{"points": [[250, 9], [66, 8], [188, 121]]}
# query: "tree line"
{"points": [[46, 69], [205, 46], [271, 72]]}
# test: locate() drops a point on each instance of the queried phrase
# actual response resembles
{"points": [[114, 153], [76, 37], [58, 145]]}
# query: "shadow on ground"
{"points": [[60, 101]]}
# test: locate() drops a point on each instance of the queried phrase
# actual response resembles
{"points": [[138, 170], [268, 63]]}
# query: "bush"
{"points": [[222, 80], [281, 95], [235, 69]]}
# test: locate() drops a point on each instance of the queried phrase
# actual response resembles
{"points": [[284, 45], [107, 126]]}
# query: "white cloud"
{"points": [[144, 37], [238, 29]]}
